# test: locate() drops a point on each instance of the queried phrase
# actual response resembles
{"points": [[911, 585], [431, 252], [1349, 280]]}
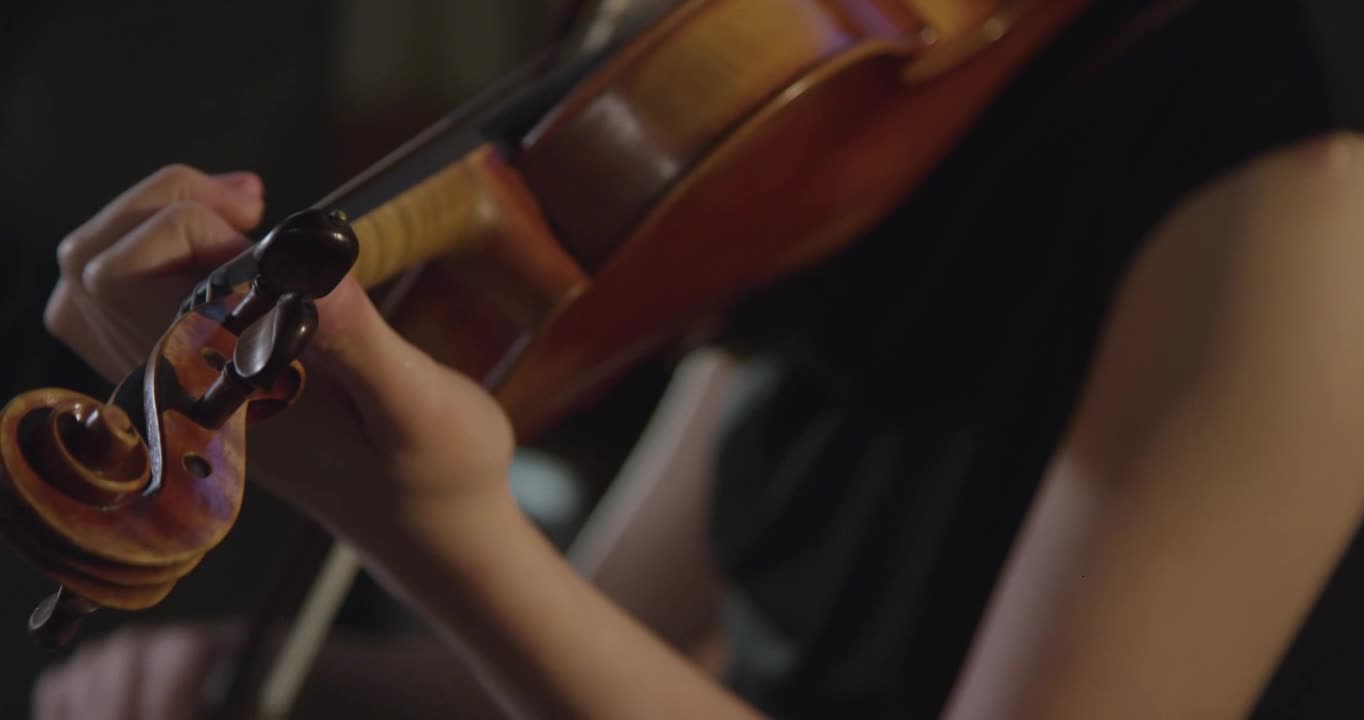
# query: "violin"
{"points": [[540, 243]]}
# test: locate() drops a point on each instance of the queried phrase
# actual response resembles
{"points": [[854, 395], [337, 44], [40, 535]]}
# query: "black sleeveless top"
{"points": [[915, 387]]}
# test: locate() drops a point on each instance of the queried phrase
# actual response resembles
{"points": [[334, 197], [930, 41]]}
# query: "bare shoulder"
{"points": [[1247, 303], [1212, 473]]}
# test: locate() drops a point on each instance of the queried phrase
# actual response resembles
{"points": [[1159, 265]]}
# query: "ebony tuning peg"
{"points": [[264, 350], [307, 255], [271, 343]]}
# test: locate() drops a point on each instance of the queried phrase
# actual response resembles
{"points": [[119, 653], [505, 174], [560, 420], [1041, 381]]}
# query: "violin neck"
{"points": [[468, 206], [452, 189]]}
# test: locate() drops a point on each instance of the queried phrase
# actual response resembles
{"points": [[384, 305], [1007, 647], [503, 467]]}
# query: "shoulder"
{"points": [[1245, 302]]}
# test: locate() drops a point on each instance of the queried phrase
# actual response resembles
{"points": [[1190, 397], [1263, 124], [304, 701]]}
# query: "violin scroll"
{"points": [[117, 501], [88, 452]]}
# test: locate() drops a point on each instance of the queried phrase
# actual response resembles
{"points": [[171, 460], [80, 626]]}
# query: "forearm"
{"points": [[542, 638]]}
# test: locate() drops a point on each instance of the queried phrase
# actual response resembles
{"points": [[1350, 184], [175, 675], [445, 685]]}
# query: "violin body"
{"points": [[729, 144]]}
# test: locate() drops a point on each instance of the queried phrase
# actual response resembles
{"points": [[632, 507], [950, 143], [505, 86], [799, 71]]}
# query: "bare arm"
{"points": [[644, 546], [643, 551], [1214, 471], [541, 636]]}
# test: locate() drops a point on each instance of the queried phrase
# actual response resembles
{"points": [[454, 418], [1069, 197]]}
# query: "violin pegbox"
{"points": [[117, 501]]}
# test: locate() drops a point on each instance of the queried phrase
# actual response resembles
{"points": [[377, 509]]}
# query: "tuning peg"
{"points": [[308, 254], [264, 350], [271, 343]]}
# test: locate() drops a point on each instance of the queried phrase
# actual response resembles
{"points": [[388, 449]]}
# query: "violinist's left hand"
{"points": [[384, 434], [124, 271]]}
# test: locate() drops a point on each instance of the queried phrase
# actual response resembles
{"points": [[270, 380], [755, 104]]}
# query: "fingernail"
{"points": [[242, 183]]}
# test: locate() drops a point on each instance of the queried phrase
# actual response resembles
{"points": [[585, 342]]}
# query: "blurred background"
{"points": [[95, 96]]}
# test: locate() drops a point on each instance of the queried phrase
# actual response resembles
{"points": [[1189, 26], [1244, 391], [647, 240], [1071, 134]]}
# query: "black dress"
{"points": [[916, 386]]}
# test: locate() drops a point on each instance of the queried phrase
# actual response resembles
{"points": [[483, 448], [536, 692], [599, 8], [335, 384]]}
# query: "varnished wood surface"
{"points": [[496, 272], [801, 177], [453, 213], [127, 552], [731, 143], [615, 145], [734, 142]]}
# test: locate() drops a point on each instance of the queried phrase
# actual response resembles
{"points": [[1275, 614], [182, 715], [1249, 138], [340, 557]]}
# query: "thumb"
{"points": [[405, 398]]}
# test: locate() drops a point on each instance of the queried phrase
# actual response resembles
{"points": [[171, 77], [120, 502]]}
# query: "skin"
{"points": [[643, 546], [426, 460], [1209, 481], [1213, 472]]}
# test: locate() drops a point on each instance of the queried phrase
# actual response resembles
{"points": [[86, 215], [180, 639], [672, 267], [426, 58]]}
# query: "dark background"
{"points": [[95, 96]]}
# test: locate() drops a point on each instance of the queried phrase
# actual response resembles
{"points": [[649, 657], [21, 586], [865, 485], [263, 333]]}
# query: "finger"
{"points": [[132, 289], [106, 339], [177, 666], [47, 694], [67, 321], [109, 680], [126, 343], [238, 197], [185, 238], [405, 398]]}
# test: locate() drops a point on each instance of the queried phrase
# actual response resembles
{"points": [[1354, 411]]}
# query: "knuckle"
{"points": [[179, 219], [56, 314], [95, 278], [124, 644], [69, 259], [170, 184], [182, 217], [123, 649], [99, 279], [176, 178]]}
